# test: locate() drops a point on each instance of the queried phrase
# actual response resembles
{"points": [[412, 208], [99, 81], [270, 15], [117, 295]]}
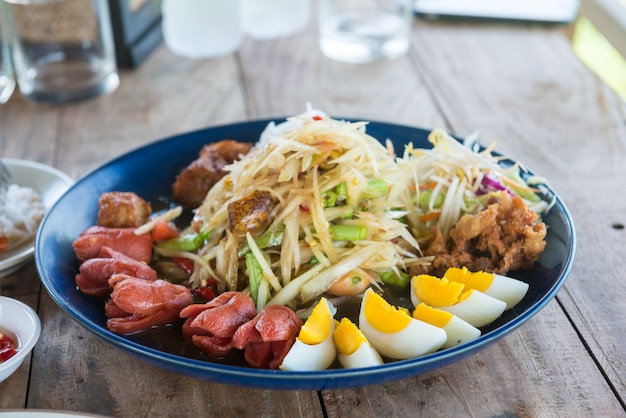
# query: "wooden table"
{"points": [[520, 85]]}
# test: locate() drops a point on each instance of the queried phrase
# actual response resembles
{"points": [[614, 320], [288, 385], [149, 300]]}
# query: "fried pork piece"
{"points": [[193, 183], [122, 210], [250, 213], [504, 237]]}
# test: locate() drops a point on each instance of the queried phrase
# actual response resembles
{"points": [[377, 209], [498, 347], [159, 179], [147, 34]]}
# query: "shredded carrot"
{"points": [[429, 216], [517, 185], [429, 185]]}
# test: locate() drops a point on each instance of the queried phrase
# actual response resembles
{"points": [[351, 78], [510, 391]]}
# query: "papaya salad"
{"points": [[315, 213]]}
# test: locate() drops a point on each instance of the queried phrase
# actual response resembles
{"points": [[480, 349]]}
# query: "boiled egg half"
{"points": [[314, 348], [353, 349], [458, 331], [393, 332], [472, 306], [507, 289]]}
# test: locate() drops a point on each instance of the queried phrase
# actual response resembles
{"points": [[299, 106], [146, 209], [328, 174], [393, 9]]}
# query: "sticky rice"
{"points": [[20, 216]]}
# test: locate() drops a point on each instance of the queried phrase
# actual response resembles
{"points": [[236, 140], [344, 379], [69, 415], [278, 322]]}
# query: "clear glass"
{"points": [[201, 28], [63, 50], [271, 19], [7, 78], [361, 31]]}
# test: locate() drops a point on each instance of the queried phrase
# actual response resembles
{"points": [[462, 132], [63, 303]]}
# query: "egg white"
{"points": [[509, 290], [364, 356], [478, 309], [459, 332], [312, 357], [417, 339]]}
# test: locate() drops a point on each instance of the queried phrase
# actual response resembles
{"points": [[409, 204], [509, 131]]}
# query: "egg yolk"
{"points": [[348, 338], [437, 292], [382, 316], [318, 324], [479, 280], [432, 316]]}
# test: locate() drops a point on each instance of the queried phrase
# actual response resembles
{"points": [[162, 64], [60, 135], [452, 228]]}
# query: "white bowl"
{"points": [[19, 319], [50, 183]]}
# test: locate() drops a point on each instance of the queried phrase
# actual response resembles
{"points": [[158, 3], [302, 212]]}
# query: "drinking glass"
{"points": [[7, 78], [361, 31], [62, 50]]}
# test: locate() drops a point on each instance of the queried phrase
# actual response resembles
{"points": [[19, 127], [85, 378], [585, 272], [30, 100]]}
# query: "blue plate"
{"points": [[150, 171]]}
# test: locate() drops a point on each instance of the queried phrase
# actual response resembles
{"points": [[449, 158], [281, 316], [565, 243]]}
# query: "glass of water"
{"points": [[361, 31], [62, 50], [7, 79]]}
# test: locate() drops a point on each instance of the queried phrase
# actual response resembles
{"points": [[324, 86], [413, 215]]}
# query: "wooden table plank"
{"points": [[85, 369], [168, 95], [26, 137], [541, 370], [530, 373], [282, 76], [519, 85], [550, 112]]}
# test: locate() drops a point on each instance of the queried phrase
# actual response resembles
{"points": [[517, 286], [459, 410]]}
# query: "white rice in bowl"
{"points": [[20, 215]]}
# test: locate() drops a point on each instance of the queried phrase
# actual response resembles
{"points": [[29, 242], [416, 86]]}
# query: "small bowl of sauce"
{"points": [[20, 328]]}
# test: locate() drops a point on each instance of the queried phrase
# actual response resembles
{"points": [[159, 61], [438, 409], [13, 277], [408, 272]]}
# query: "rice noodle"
{"points": [[20, 215]]}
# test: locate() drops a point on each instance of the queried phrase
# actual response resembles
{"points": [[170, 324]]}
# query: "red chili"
{"points": [[5, 341], [184, 263], [6, 353], [317, 117], [204, 292]]}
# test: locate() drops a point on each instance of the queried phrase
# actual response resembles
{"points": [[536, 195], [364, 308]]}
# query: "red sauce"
{"points": [[8, 345]]}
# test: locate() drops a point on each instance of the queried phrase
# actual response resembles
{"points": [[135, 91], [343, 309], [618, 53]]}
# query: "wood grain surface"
{"points": [[518, 85]]}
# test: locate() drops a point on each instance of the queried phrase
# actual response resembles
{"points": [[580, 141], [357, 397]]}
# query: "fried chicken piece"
{"points": [[122, 210], [505, 236], [193, 183]]}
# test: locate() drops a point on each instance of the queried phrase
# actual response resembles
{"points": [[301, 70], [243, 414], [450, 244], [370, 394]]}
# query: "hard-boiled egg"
{"points": [[470, 305], [314, 348], [507, 289], [458, 331], [353, 349], [393, 332]]}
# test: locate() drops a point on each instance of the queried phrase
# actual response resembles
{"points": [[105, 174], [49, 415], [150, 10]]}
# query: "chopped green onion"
{"points": [[267, 239], [341, 191], [186, 242], [255, 275], [342, 212], [348, 232], [425, 196], [375, 188], [329, 199], [271, 238], [522, 190], [391, 278], [206, 233]]}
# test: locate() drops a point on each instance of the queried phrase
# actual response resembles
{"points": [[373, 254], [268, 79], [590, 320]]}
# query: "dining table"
{"points": [[518, 85]]}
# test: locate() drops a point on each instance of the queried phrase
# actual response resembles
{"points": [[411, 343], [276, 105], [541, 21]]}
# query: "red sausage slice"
{"points": [[268, 337], [124, 240]]}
